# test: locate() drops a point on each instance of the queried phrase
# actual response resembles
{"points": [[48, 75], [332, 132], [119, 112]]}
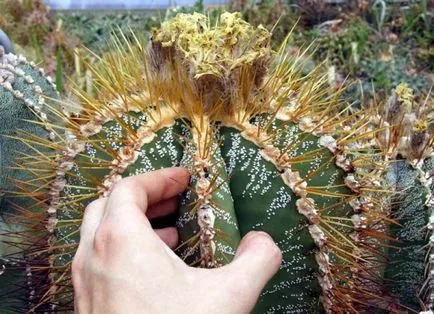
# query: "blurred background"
{"points": [[124, 5], [371, 44]]}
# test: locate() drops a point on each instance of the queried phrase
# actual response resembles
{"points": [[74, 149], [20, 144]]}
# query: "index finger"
{"points": [[139, 192]]}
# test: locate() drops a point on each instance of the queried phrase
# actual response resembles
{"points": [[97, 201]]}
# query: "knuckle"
{"points": [[95, 204], [102, 239], [109, 237], [93, 208], [77, 267], [122, 187]]}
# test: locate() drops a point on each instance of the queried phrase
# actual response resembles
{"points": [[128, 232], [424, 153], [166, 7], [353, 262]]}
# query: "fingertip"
{"points": [[259, 242], [180, 175], [257, 260], [147, 189], [260, 248]]}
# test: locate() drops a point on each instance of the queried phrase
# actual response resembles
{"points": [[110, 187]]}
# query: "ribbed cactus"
{"points": [[409, 274], [25, 112], [24, 90], [268, 149]]}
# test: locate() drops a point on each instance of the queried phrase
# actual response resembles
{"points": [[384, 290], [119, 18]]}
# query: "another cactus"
{"points": [[24, 112], [268, 150], [5, 42], [409, 274], [23, 92]]}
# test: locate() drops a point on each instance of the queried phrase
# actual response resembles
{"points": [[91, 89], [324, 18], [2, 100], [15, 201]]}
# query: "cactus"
{"points": [[409, 272], [409, 137], [386, 74], [95, 30], [5, 42], [23, 92], [24, 111], [268, 149]]}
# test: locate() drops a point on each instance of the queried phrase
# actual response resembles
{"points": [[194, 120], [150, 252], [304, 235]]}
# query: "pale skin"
{"points": [[122, 265]]}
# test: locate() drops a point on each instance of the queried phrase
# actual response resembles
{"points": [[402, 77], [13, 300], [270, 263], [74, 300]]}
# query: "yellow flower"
{"points": [[420, 126], [405, 94]]}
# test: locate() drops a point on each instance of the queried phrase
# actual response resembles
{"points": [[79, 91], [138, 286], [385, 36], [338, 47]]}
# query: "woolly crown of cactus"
{"points": [[268, 149]]}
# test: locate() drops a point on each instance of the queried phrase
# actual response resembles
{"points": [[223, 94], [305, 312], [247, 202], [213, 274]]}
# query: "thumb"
{"points": [[256, 261]]}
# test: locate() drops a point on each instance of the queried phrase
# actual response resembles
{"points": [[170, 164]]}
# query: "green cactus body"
{"points": [[266, 151], [23, 89], [408, 274], [24, 111]]}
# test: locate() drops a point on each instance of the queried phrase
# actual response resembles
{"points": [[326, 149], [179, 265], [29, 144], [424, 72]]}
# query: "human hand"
{"points": [[122, 265]]}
